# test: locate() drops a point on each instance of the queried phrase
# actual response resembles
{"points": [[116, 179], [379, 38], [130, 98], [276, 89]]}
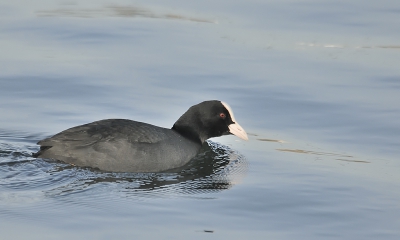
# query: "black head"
{"points": [[208, 119]]}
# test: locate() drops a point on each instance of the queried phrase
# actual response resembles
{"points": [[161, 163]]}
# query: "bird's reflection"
{"points": [[216, 168]]}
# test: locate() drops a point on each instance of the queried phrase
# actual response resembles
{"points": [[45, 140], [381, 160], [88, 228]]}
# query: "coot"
{"points": [[121, 145]]}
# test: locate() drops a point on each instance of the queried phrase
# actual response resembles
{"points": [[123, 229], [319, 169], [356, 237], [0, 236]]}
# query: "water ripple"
{"points": [[25, 179]]}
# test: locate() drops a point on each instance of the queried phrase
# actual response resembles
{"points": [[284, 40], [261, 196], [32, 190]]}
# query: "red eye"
{"points": [[222, 115]]}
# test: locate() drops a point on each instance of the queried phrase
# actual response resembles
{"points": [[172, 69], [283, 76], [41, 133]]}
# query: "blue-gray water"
{"points": [[316, 84]]}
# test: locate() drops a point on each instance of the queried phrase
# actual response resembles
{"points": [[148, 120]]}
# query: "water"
{"points": [[314, 83]]}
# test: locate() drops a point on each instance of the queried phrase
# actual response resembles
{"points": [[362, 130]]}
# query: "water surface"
{"points": [[314, 83]]}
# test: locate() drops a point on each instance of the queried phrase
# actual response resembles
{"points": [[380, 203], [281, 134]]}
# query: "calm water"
{"points": [[316, 84]]}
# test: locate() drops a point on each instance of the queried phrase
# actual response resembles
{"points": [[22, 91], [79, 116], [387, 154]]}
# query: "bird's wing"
{"points": [[107, 131]]}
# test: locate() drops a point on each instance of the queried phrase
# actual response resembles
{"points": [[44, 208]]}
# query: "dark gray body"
{"points": [[120, 145]]}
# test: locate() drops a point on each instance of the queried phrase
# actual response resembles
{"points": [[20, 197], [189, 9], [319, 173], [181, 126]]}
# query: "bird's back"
{"points": [[120, 145]]}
